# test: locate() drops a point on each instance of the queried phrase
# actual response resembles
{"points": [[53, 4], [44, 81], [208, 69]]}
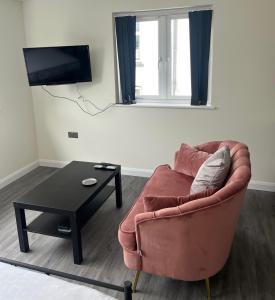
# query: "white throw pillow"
{"points": [[213, 171]]}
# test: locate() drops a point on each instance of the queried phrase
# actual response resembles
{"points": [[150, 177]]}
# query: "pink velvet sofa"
{"points": [[192, 241]]}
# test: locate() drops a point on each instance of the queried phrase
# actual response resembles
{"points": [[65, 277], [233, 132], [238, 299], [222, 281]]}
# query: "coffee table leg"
{"points": [[118, 189], [76, 240], [22, 229]]}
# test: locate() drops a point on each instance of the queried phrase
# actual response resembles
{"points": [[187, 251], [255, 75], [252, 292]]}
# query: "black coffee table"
{"points": [[64, 200]]}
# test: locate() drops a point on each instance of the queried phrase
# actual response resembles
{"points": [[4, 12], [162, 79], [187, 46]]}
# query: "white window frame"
{"points": [[164, 59], [165, 16], [170, 97], [152, 98]]}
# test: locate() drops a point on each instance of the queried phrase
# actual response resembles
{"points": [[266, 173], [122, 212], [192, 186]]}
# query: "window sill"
{"points": [[165, 105]]}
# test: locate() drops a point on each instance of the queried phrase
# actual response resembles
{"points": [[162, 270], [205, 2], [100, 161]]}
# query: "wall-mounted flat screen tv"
{"points": [[58, 65]]}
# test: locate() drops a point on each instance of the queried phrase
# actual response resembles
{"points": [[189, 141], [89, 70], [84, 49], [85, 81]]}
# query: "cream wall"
{"points": [[18, 143], [243, 87]]}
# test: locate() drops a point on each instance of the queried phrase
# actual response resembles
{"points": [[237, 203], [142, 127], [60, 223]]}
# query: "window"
{"points": [[163, 59], [153, 52], [147, 58]]}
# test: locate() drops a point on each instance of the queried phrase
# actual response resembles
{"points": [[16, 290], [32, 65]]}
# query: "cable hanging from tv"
{"points": [[84, 100]]}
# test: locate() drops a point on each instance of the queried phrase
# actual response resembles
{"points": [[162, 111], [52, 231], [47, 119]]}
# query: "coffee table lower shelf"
{"points": [[47, 223]]}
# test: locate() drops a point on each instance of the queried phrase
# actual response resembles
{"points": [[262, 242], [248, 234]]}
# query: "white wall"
{"points": [[18, 143], [243, 87]]}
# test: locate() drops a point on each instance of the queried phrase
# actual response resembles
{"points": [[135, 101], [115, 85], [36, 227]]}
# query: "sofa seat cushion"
{"points": [[164, 182]]}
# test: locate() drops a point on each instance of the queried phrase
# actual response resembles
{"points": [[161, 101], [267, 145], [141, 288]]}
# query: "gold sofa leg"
{"points": [[134, 284], [207, 284]]}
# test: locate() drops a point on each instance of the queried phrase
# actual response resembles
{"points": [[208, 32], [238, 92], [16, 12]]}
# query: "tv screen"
{"points": [[58, 65]]}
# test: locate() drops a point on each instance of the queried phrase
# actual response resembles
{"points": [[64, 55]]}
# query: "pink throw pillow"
{"points": [[153, 203], [189, 160]]}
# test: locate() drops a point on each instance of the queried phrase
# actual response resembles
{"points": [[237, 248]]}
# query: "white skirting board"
{"points": [[17, 174], [124, 171], [261, 186], [254, 184]]}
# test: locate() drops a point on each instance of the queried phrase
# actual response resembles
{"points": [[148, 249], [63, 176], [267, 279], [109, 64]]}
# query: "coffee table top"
{"points": [[63, 191]]}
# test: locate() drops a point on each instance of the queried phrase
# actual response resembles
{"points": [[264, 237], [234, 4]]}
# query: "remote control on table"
{"points": [[110, 167], [64, 229], [105, 166]]}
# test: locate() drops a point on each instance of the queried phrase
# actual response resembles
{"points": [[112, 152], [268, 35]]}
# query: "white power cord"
{"points": [[100, 110]]}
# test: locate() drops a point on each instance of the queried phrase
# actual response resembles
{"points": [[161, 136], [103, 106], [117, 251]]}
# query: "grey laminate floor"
{"points": [[248, 274]]}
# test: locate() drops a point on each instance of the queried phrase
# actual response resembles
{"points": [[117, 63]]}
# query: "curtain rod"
{"points": [[164, 11]]}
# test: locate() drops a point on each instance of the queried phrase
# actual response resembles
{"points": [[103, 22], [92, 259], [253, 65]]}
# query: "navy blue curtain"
{"points": [[200, 36], [126, 47]]}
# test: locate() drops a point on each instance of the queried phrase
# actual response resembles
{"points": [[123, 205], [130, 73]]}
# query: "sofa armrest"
{"points": [[143, 217], [188, 242], [161, 244]]}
